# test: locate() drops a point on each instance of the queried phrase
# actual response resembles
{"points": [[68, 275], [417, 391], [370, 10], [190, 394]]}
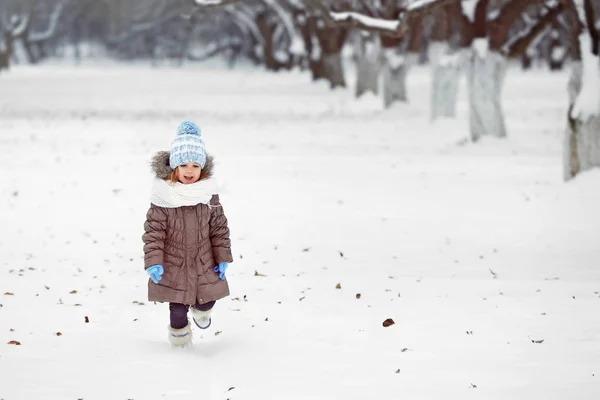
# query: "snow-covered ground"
{"points": [[476, 251]]}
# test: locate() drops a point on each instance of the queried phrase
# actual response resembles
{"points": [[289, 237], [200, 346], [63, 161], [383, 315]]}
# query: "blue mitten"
{"points": [[221, 268], [155, 272]]}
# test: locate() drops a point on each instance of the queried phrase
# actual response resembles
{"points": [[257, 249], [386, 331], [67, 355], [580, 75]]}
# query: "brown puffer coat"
{"points": [[188, 242]]}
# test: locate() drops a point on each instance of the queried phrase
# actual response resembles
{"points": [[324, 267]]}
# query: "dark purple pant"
{"points": [[179, 312]]}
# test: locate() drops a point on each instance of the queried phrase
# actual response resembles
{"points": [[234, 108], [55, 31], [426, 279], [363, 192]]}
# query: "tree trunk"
{"points": [[5, 53], [308, 29], [28, 49], [185, 46], [395, 70], [368, 64], [331, 41], [317, 68], [267, 30], [446, 70], [334, 70], [397, 66], [582, 138], [485, 77]]}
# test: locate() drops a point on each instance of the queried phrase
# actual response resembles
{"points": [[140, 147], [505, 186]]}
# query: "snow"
{"points": [[474, 250], [468, 8], [417, 4], [587, 104], [297, 46], [281, 56], [481, 47], [20, 24], [558, 53], [394, 59], [451, 60], [377, 23], [211, 2]]}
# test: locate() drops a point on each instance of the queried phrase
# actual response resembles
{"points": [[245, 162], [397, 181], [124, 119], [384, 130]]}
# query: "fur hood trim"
{"points": [[160, 166]]}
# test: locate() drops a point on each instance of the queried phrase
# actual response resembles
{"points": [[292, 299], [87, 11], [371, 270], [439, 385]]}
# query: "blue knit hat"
{"points": [[188, 146]]}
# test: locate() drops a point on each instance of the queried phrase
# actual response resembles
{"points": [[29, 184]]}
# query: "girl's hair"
{"points": [[173, 175], [174, 179]]}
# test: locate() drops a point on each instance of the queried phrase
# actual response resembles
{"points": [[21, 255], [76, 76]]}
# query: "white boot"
{"points": [[180, 337], [201, 318]]}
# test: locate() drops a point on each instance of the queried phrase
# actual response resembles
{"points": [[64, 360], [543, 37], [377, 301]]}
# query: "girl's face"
{"points": [[188, 173]]}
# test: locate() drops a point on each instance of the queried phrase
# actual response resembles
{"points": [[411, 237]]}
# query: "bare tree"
{"points": [[490, 47], [446, 58], [14, 23], [392, 21], [582, 138]]}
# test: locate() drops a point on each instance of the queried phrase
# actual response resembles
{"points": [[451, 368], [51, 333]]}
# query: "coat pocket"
{"points": [[207, 265], [173, 272]]}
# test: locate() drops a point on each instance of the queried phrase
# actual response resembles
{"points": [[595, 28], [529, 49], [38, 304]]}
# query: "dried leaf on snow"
{"points": [[536, 340]]}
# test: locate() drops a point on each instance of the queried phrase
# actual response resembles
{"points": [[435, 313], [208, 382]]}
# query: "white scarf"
{"points": [[172, 195]]}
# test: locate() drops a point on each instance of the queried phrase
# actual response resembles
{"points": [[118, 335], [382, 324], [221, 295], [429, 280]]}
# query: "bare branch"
{"points": [[511, 11], [371, 9], [591, 25], [480, 19], [519, 45], [143, 27], [322, 9]]}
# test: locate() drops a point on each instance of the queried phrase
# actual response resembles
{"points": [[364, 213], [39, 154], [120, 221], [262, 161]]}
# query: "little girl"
{"points": [[186, 240]]}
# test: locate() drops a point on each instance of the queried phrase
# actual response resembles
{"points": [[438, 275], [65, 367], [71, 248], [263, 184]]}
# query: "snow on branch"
{"points": [[425, 6], [396, 27], [468, 9], [54, 17], [243, 18], [20, 25], [142, 27], [421, 4], [367, 23], [521, 42], [284, 16], [215, 49], [214, 3]]}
